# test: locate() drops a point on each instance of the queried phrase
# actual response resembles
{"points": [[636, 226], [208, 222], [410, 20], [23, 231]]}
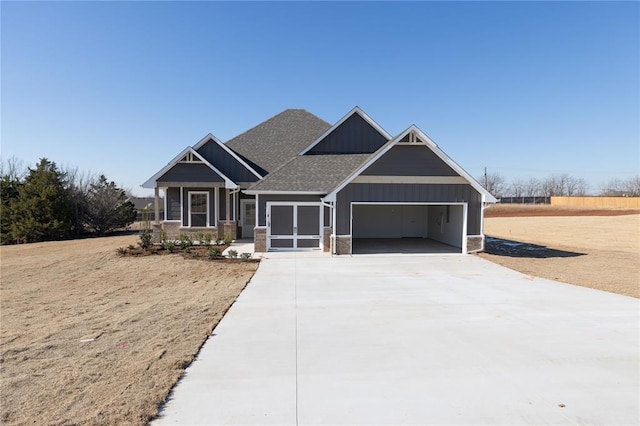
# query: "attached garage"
{"points": [[409, 227]]}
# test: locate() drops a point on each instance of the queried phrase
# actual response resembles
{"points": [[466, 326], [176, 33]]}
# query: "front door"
{"points": [[294, 226], [247, 217]]}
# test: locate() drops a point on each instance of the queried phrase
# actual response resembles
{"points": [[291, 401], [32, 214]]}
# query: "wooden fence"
{"points": [[598, 202]]}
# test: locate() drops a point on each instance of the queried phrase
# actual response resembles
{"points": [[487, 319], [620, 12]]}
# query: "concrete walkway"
{"points": [[409, 339]]}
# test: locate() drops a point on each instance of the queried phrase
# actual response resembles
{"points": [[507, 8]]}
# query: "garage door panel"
{"points": [[376, 221]]}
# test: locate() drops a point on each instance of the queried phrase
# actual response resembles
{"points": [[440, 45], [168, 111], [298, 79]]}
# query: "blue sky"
{"points": [[526, 89]]}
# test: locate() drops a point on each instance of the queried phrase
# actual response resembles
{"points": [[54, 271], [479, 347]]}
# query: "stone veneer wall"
{"points": [[231, 228], [343, 244], [475, 243], [260, 239], [326, 239], [174, 230]]}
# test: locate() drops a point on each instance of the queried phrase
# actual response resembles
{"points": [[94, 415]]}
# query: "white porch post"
{"points": [[156, 205], [228, 205]]}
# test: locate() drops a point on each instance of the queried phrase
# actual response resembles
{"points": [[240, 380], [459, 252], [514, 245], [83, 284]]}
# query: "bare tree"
{"points": [[13, 168], [622, 188], [575, 186], [495, 183]]}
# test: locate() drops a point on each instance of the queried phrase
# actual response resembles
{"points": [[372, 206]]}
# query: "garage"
{"points": [[408, 227]]}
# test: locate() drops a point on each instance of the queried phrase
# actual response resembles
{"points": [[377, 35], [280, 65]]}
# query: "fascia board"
{"points": [[229, 151], [228, 183], [455, 166], [271, 192], [331, 196], [151, 182]]}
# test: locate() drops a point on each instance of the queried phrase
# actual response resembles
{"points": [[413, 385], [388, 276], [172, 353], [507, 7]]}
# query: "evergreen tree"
{"points": [[8, 194], [107, 208], [42, 210]]}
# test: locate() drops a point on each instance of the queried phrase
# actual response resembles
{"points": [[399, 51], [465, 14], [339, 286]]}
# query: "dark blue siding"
{"points": [[353, 136], [223, 161], [408, 160], [262, 203], [407, 193], [189, 172]]}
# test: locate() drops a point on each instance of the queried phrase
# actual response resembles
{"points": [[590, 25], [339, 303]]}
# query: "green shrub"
{"points": [[185, 241], [170, 246], [227, 239], [207, 239], [214, 252], [146, 238], [121, 251], [233, 254], [245, 256]]}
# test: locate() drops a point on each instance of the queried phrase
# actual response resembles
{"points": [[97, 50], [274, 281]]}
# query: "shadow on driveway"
{"points": [[500, 247]]}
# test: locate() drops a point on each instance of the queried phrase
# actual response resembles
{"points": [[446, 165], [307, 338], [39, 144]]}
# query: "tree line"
{"points": [[556, 185], [49, 203]]}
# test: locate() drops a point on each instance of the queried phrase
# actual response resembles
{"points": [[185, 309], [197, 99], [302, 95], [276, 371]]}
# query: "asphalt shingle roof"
{"points": [[321, 173], [277, 140]]}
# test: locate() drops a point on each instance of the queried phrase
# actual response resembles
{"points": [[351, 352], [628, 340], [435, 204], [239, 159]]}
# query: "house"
{"points": [[295, 182]]}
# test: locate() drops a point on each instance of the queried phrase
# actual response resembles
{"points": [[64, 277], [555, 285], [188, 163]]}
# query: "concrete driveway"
{"points": [[410, 339]]}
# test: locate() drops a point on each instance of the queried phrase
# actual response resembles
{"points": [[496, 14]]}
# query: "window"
{"points": [[198, 208]]}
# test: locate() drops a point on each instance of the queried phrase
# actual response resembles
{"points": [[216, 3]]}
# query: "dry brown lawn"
{"points": [[87, 337], [609, 244]]}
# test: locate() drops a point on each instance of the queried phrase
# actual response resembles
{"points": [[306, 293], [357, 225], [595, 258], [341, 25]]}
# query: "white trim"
{"points": [[164, 191], [451, 180], [258, 214], [243, 216], [355, 110], [210, 137], [294, 236], [189, 194], [465, 207], [151, 183], [256, 192], [486, 196], [181, 206], [216, 206]]}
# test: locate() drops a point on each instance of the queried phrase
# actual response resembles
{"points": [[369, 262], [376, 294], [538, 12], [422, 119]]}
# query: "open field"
{"points": [[87, 337], [527, 210], [591, 248]]}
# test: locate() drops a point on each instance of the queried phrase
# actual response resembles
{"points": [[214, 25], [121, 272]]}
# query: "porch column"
{"points": [[156, 205], [228, 205]]}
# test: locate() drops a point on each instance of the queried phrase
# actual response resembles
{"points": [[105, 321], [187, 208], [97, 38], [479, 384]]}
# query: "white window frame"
{"points": [[207, 193]]}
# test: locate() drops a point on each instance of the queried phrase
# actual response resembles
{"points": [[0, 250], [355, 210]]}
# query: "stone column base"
{"points": [[230, 228], [326, 239], [343, 244], [475, 243], [260, 239]]}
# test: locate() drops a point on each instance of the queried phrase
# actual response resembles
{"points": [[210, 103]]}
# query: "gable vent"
{"points": [[190, 158]]}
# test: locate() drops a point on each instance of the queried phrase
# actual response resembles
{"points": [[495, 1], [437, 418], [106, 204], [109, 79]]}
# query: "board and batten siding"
{"points": [[223, 161], [262, 205], [189, 172], [407, 193], [353, 136], [408, 160]]}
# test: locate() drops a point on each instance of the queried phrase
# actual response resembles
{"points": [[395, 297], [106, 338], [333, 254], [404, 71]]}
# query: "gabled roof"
{"points": [[210, 138], [316, 174], [278, 139], [151, 183], [355, 110], [420, 138]]}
